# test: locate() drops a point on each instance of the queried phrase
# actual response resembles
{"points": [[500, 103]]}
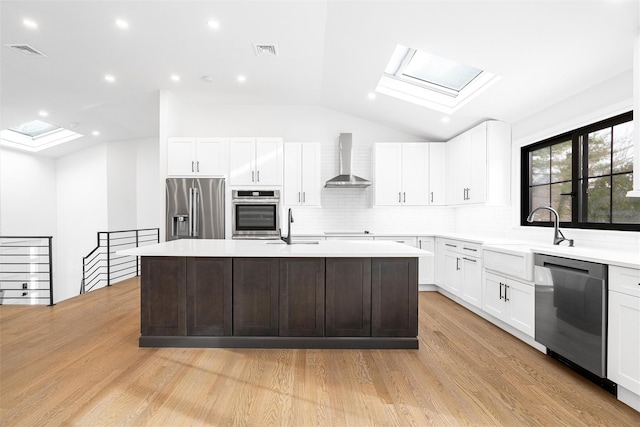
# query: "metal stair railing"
{"points": [[103, 267], [26, 270]]}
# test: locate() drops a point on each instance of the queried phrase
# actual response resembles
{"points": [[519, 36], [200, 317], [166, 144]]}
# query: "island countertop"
{"points": [[276, 249]]}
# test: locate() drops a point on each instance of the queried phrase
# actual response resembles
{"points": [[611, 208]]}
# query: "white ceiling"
{"points": [[332, 54]]}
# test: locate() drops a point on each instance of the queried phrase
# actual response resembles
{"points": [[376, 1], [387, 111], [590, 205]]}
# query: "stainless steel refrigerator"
{"points": [[195, 208]]}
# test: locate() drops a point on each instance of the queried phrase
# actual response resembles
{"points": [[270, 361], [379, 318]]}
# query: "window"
{"points": [[35, 136], [584, 175], [432, 81]]}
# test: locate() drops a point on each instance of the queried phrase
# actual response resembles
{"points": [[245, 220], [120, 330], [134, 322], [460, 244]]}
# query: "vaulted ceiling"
{"points": [[330, 53]]}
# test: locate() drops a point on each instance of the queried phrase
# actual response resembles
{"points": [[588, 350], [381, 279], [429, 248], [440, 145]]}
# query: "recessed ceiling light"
{"points": [[95, 133], [207, 79], [371, 95], [120, 23], [175, 77], [445, 119], [242, 79], [213, 24], [29, 23], [43, 113], [109, 78]]}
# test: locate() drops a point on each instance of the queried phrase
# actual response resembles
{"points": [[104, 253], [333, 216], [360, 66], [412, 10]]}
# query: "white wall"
{"points": [[121, 186], [607, 99], [82, 212], [342, 209], [148, 190], [27, 194]]}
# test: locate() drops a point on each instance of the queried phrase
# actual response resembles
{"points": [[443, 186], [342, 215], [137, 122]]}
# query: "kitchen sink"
{"points": [[515, 260]]}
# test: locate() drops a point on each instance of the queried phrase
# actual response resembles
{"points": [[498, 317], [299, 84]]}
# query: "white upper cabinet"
{"points": [[302, 185], [437, 173], [401, 174], [255, 161], [196, 156], [478, 165]]}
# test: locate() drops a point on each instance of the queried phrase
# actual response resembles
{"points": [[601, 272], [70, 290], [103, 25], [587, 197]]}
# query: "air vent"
{"points": [[25, 50], [265, 49]]}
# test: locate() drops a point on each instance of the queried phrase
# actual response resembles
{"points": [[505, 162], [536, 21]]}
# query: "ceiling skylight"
{"points": [[432, 81], [35, 136]]}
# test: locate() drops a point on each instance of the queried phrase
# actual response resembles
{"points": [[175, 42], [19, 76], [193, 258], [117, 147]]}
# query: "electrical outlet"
{"points": [[24, 286]]}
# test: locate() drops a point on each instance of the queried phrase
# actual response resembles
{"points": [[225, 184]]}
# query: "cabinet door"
{"points": [[520, 302], [268, 161], [476, 166], [394, 297], [311, 183], [456, 170], [451, 272], [437, 174], [301, 297], [439, 267], [493, 295], [624, 341], [242, 153], [162, 296], [292, 174], [211, 156], [255, 296], [209, 296], [387, 174], [348, 297], [415, 174], [471, 280], [181, 156], [426, 274]]}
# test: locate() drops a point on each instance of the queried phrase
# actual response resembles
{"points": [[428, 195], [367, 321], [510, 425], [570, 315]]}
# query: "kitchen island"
{"points": [[266, 294]]}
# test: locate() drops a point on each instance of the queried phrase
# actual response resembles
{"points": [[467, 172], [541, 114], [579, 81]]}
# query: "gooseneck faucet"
{"points": [[287, 239], [557, 234]]}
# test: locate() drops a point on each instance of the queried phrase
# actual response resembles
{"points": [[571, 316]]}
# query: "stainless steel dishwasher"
{"points": [[571, 314]]}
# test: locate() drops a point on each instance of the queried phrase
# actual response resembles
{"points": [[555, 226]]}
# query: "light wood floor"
{"points": [[78, 363]]}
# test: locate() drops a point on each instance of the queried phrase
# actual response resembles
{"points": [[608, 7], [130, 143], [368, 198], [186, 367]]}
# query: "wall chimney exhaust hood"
{"points": [[346, 179]]}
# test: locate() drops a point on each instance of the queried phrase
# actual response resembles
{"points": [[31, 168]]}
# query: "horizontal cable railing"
{"points": [[103, 267], [26, 270]]}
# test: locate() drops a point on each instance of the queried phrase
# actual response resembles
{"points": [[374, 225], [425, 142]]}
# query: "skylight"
{"points": [[35, 136], [432, 81], [34, 128]]}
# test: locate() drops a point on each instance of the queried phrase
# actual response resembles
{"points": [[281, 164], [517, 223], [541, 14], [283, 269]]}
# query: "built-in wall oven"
{"points": [[571, 314], [255, 214]]}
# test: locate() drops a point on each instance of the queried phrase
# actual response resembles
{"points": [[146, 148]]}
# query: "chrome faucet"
{"points": [[557, 234], [287, 239]]}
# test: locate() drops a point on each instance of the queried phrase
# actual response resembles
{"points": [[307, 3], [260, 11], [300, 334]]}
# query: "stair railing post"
{"points": [[50, 238], [108, 258]]}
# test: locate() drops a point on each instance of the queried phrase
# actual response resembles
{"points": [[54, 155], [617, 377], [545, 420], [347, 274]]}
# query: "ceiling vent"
{"points": [[265, 49], [25, 50]]}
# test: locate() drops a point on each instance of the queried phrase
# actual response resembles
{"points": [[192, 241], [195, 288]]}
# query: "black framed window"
{"points": [[584, 175]]}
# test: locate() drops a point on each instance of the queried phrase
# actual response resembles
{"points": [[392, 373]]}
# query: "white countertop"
{"points": [[630, 259], [275, 249]]}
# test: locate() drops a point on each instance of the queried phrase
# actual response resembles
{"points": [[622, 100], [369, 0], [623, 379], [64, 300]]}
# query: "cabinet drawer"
{"points": [[625, 280], [462, 247]]}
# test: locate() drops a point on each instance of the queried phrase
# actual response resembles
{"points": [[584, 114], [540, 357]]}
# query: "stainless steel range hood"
{"points": [[346, 179]]}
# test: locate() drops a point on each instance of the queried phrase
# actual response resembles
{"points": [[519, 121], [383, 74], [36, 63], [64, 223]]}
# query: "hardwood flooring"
{"points": [[78, 363]]}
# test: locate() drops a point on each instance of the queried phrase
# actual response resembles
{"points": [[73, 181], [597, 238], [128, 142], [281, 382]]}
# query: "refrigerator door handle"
{"points": [[194, 204]]}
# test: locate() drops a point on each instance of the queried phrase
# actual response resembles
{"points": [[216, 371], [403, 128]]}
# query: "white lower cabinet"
{"points": [[623, 360], [509, 300], [471, 280], [439, 267], [426, 264], [463, 271]]}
